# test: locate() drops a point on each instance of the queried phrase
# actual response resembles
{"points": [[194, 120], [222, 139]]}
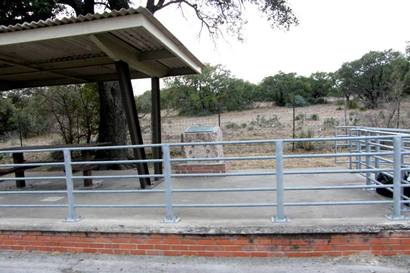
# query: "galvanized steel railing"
{"points": [[379, 157]]}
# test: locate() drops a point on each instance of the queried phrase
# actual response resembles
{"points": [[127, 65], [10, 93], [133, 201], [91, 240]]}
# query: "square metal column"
{"points": [[156, 122], [131, 113]]}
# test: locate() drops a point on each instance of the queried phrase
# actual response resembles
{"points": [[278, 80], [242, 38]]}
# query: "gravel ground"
{"points": [[17, 262]]}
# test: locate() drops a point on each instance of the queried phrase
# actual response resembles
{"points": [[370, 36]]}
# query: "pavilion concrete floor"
{"points": [[306, 215]]}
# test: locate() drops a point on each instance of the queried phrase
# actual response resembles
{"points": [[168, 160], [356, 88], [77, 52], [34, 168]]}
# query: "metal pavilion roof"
{"points": [[84, 48]]}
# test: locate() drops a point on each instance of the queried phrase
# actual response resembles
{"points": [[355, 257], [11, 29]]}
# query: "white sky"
{"points": [[330, 33]]}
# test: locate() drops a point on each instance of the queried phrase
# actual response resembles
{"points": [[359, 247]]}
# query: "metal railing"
{"points": [[384, 151]]}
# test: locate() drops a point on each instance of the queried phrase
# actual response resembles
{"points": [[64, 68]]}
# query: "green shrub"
{"points": [[339, 108], [306, 145], [243, 125], [300, 116], [330, 123], [352, 105], [340, 102], [232, 125], [314, 117], [263, 122]]}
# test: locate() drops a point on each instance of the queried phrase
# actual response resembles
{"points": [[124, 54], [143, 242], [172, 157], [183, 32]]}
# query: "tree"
{"points": [[399, 83], [321, 85], [368, 77], [7, 116], [75, 109], [282, 89], [200, 94]]}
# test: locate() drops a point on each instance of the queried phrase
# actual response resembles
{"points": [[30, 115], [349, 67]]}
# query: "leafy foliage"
{"points": [[213, 91], [368, 77], [75, 110]]}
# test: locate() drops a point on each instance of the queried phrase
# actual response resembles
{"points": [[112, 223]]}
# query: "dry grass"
{"points": [[174, 125]]}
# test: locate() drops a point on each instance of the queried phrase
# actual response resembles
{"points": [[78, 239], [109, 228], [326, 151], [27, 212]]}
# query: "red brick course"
{"points": [[201, 168], [303, 245]]}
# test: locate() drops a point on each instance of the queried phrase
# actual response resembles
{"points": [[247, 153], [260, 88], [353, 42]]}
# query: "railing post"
{"points": [[336, 135], [72, 215], [377, 157], [358, 151], [368, 150], [350, 149], [397, 187], [169, 212], [280, 192]]}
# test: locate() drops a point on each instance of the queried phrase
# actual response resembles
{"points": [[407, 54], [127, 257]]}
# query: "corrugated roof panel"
{"points": [[172, 63], [139, 39], [65, 20]]}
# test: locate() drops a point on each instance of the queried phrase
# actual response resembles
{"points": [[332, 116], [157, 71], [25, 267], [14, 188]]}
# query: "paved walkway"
{"points": [[84, 263]]}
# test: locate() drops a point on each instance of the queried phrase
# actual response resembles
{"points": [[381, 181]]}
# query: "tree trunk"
{"points": [[113, 124]]}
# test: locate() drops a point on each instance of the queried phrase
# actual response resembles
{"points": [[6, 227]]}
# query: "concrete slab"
{"points": [[12, 262], [369, 218]]}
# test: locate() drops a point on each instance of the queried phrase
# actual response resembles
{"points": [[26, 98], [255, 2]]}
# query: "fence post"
{"points": [[368, 158], [350, 149], [336, 135], [377, 157], [169, 212], [280, 192], [72, 215], [358, 151], [397, 187]]}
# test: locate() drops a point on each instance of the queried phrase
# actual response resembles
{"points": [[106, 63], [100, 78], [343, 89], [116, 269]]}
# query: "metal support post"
{"points": [[368, 150], [17, 159], [156, 123], [72, 215], [169, 212], [336, 135], [350, 149], [280, 192], [376, 159], [131, 113], [358, 151], [397, 187]]}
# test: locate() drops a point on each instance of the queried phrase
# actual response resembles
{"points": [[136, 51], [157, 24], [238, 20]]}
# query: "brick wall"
{"points": [[306, 245], [201, 168]]}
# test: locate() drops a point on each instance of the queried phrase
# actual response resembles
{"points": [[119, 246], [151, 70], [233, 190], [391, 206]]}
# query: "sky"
{"points": [[330, 33]]}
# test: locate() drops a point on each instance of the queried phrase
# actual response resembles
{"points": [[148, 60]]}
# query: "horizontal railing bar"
{"points": [[336, 171], [122, 176], [119, 191], [222, 174], [285, 172], [227, 205], [270, 141], [97, 162], [335, 155], [119, 206], [33, 178], [223, 158], [338, 203], [33, 205], [34, 192], [338, 187], [34, 164], [260, 189]]}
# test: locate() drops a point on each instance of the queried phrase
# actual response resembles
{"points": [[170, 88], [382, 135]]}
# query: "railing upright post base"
{"points": [[276, 219]]}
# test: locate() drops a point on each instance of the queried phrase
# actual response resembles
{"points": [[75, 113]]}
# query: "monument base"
{"points": [[201, 168]]}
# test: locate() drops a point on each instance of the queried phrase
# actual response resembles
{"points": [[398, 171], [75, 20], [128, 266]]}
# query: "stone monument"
{"points": [[200, 133]]}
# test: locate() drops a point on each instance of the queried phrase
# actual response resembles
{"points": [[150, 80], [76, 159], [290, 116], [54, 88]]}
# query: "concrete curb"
{"points": [[330, 226]]}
